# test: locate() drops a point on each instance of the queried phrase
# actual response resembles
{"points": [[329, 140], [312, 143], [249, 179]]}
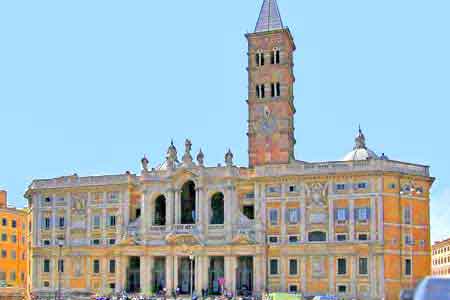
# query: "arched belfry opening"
{"points": [[159, 218], [188, 203], [217, 209]]}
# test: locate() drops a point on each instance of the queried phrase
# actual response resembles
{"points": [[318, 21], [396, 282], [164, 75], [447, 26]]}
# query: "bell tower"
{"points": [[270, 90]]}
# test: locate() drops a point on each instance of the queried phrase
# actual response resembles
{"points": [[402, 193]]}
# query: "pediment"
{"points": [[182, 175]]}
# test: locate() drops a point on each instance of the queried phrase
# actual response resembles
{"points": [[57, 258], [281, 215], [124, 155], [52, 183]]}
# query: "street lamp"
{"points": [[191, 262], [60, 245]]}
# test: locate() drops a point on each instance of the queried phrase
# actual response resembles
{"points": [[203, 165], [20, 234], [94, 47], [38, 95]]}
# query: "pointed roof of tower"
{"points": [[269, 17]]}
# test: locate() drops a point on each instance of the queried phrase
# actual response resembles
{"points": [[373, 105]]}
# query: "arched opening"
{"points": [[317, 236], [188, 203], [217, 209], [160, 211]]}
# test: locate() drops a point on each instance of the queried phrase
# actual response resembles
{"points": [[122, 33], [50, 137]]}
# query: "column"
{"points": [[372, 275], [353, 275], [233, 273], [35, 274], [177, 207], [257, 279], [144, 215], [68, 219], [169, 274], [124, 261], [170, 197], [88, 270], [303, 261], [303, 219], [175, 271], [228, 272], [381, 276], [229, 211], [150, 267], [352, 219], [283, 220], [144, 274], [331, 235], [88, 219], [104, 267], [198, 275], [283, 273], [53, 223], [331, 275], [197, 206], [118, 278], [37, 219], [380, 206], [104, 223], [373, 220]]}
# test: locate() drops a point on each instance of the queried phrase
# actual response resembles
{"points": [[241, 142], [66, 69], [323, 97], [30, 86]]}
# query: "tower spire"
{"points": [[269, 17]]}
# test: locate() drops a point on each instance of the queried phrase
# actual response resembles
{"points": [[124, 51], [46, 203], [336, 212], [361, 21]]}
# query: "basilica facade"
{"points": [[354, 227]]}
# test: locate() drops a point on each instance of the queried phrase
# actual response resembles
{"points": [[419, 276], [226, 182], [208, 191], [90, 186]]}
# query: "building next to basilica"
{"points": [[356, 227]]}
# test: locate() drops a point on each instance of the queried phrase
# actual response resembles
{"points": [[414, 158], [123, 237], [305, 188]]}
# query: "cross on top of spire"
{"points": [[269, 17]]}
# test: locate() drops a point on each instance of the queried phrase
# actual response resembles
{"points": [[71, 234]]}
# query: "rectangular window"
{"points": [[13, 254], [277, 56], [340, 187], [12, 276], [4, 237], [408, 267], [341, 215], [278, 90], [273, 240], [341, 237], [293, 239], [409, 240], [293, 289], [293, 267], [273, 215], [112, 221], [96, 222], [61, 222], [2, 276], [46, 266], [342, 289], [96, 266], [4, 222], [46, 242], [14, 224], [341, 266], [95, 242], [47, 223], [293, 215], [112, 266], [362, 185], [263, 91], [4, 253], [112, 241], [363, 266], [61, 266], [113, 196], [362, 214], [363, 237], [407, 215], [274, 267], [272, 88]]}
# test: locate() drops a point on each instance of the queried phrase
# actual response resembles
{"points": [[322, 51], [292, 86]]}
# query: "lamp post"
{"points": [[191, 262], [60, 245]]}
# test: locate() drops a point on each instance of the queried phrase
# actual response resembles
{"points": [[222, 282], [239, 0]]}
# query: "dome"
{"points": [[360, 151]]}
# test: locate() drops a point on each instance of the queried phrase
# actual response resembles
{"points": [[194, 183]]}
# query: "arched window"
{"points": [[160, 211], [217, 209], [188, 203], [317, 236], [259, 58], [275, 56]]}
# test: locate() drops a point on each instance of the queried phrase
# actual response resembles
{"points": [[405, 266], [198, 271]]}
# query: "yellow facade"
{"points": [[14, 253], [441, 258]]}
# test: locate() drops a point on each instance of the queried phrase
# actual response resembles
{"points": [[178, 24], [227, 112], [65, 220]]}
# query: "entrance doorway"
{"points": [[216, 274], [244, 275], [188, 203], [186, 275], [159, 274], [133, 275]]}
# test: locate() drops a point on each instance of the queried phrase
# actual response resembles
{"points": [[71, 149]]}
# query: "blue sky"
{"points": [[88, 87]]}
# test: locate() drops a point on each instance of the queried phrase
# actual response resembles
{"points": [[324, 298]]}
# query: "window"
{"points": [[293, 215], [362, 214], [275, 57], [46, 266], [341, 237], [4, 253], [112, 266], [46, 284], [363, 268], [61, 222], [342, 289], [249, 211], [293, 239], [13, 254], [61, 266], [275, 89], [274, 267], [363, 237], [317, 236], [341, 266], [341, 215], [293, 289], [12, 276], [4, 222], [112, 221], [22, 276], [4, 237], [392, 186], [96, 266], [293, 267], [293, 189], [362, 185], [408, 267], [113, 196], [47, 223], [273, 240], [14, 224], [259, 59], [112, 286], [407, 215], [2, 276], [112, 241], [340, 187], [96, 222], [46, 242], [273, 215], [47, 200], [95, 242], [260, 91], [409, 240]]}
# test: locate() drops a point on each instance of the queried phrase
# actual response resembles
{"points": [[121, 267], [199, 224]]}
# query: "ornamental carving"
{"points": [[317, 194], [79, 202]]}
